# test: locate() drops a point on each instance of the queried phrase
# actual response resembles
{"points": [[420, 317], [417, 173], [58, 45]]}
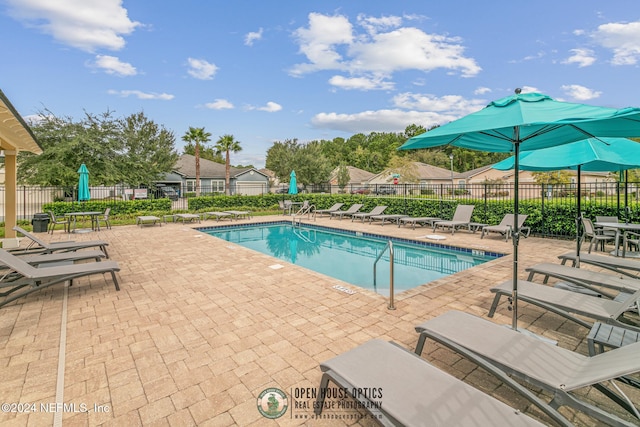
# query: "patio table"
{"points": [[93, 216], [620, 227]]}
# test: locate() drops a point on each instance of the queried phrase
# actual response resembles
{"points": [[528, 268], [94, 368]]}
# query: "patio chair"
{"points": [[596, 235], [416, 393], [352, 210], [630, 240], [567, 303], [505, 227], [104, 218], [333, 208], [557, 370], [461, 218], [585, 278], [625, 267], [54, 220], [40, 246], [378, 210], [607, 230], [28, 278], [285, 205]]}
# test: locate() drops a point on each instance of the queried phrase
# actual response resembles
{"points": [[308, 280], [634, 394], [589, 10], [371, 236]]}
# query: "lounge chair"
{"points": [[554, 369], [218, 215], [505, 227], [40, 246], [418, 220], [398, 388], [333, 208], [566, 303], [188, 217], [24, 275], [461, 218], [583, 277], [386, 218], [625, 267], [352, 210], [378, 210], [240, 214]]}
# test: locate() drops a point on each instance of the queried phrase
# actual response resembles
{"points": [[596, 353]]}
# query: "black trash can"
{"points": [[40, 222]]}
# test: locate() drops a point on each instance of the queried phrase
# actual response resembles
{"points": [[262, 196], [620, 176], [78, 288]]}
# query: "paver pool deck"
{"points": [[201, 327]]}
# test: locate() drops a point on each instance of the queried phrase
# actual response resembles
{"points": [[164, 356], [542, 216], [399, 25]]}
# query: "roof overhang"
{"points": [[15, 134]]}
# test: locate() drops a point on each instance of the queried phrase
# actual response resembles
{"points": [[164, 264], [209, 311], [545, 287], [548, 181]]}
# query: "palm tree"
{"points": [[197, 136], [227, 144]]}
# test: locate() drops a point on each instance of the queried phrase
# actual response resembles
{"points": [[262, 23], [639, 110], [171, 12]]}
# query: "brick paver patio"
{"points": [[202, 326]]}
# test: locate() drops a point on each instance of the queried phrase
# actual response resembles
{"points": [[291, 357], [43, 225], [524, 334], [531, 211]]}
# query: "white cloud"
{"points": [[141, 95], [219, 104], [481, 90], [424, 109], [113, 65], [271, 107], [582, 57], [84, 24], [360, 83], [332, 43], [394, 120], [252, 37], [623, 39], [580, 93], [201, 69]]}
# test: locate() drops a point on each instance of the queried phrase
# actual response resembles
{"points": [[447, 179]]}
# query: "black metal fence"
{"points": [[613, 196]]}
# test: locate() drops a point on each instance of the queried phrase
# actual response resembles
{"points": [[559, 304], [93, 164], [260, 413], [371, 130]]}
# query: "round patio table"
{"points": [[620, 228]]}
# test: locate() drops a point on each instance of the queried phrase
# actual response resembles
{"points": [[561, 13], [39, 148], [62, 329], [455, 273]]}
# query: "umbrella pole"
{"points": [[516, 231], [578, 220]]}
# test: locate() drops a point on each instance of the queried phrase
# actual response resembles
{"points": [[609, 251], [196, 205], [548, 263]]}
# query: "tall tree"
{"points": [[227, 144], [197, 136]]}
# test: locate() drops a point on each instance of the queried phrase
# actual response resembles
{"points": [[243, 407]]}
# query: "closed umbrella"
{"points": [[528, 121], [293, 183], [83, 184], [589, 155]]}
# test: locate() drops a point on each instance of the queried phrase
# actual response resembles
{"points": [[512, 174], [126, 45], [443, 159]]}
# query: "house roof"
{"points": [[186, 166], [356, 175], [474, 172], [425, 171]]}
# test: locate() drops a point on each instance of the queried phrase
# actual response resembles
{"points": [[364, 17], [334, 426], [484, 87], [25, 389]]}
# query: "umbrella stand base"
{"points": [[82, 230]]}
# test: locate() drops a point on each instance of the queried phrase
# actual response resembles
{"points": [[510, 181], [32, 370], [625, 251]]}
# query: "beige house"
{"points": [[425, 174], [15, 136], [357, 176]]}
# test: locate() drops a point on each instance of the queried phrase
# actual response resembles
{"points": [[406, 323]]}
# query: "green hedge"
{"points": [[117, 208]]}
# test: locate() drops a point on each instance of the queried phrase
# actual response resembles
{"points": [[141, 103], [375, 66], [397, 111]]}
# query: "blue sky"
{"points": [[267, 71]]}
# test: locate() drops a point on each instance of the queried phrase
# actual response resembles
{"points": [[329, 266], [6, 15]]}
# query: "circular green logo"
{"points": [[272, 403]]}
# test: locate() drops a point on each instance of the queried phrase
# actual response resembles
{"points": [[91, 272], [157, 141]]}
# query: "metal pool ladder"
{"points": [[389, 246]]}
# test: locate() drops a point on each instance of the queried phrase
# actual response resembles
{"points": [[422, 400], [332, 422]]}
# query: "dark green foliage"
{"points": [[117, 208]]}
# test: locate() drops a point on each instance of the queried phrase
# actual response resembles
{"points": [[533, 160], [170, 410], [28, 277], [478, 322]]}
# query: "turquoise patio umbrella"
{"points": [[83, 184], [590, 155], [293, 183], [526, 122]]}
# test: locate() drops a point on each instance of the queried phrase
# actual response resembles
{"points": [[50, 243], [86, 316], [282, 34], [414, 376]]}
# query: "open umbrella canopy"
{"points": [[293, 183], [83, 184], [527, 122], [532, 120], [592, 155]]}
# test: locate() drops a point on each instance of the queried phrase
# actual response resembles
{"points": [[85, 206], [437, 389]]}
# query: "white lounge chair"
{"points": [[625, 267], [378, 210], [334, 208], [352, 210]]}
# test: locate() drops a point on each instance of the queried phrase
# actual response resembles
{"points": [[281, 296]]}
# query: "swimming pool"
{"points": [[349, 256]]}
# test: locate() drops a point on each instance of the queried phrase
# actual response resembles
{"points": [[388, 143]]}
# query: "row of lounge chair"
{"points": [[41, 264], [416, 393], [461, 219]]}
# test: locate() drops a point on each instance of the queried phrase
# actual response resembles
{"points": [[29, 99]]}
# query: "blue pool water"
{"points": [[349, 256]]}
